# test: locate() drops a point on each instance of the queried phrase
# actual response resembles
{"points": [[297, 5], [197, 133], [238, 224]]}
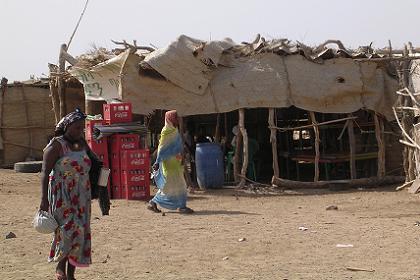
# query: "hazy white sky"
{"points": [[33, 30]]}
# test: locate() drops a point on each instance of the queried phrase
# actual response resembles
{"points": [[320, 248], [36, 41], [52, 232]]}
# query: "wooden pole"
{"points": [[407, 119], [54, 92], [60, 84], [379, 129], [237, 160], [352, 143], [273, 140], [245, 147], [317, 142]]}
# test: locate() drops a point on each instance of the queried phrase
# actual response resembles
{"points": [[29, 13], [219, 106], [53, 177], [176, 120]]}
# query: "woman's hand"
{"points": [[44, 205]]}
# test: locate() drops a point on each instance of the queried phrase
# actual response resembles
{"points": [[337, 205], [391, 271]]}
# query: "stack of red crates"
{"points": [[135, 177], [129, 160], [118, 144], [124, 154]]}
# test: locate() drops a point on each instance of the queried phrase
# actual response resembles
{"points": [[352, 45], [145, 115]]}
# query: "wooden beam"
{"points": [[379, 129], [67, 57], [317, 141], [273, 140], [362, 182], [311, 125], [245, 146], [352, 143]]}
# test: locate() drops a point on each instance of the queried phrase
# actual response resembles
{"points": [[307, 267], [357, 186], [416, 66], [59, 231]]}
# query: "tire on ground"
{"points": [[28, 167]]}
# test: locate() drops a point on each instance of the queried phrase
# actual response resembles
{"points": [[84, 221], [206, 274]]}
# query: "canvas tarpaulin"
{"points": [[102, 81], [203, 78]]}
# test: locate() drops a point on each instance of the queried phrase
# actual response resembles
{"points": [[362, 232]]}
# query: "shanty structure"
{"points": [[324, 111]]}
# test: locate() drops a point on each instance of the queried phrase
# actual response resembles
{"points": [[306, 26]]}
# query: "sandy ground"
{"points": [[133, 243]]}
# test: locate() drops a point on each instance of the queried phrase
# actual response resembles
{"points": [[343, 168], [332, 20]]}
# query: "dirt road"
{"points": [[133, 243]]}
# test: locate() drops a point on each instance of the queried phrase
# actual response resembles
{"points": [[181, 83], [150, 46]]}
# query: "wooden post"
{"points": [[273, 140], [237, 160], [60, 84], [407, 119], [379, 133], [317, 142], [352, 143], [54, 91], [245, 147]]}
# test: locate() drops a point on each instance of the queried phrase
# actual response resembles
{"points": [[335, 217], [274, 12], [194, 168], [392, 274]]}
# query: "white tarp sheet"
{"points": [[102, 81]]}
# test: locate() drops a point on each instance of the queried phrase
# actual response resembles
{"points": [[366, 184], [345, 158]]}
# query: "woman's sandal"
{"points": [[186, 210], [59, 275], [153, 207]]}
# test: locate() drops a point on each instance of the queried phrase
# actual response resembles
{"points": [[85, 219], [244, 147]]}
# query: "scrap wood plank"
{"points": [[414, 188]]}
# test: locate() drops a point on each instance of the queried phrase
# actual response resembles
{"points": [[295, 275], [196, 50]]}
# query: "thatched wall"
{"points": [[26, 122], [27, 119]]}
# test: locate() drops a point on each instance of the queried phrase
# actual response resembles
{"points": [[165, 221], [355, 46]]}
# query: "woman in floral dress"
{"points": [[66, 194]]}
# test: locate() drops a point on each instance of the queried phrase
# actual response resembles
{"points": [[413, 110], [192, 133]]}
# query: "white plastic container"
{"points": [[104, 176]]}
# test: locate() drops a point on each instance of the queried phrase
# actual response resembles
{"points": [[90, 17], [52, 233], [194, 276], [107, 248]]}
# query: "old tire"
{"points": [[28, 167]]}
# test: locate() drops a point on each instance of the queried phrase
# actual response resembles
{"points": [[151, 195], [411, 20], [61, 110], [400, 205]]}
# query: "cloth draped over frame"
{"points": [[169, 178]]}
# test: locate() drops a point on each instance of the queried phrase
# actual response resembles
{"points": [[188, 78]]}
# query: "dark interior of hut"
{"points": [[295, 142]]}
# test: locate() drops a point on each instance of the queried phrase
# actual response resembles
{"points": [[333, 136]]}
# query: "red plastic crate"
{"points": [[137, 192], [115, 160], [134, 159], [118, 192], [134, 177], [99, 146], [118, 112], [89, 126], [116, 176], [120, 142]]}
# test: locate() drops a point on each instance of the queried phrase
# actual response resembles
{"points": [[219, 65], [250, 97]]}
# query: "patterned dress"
{"points": [[69, 196]]}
